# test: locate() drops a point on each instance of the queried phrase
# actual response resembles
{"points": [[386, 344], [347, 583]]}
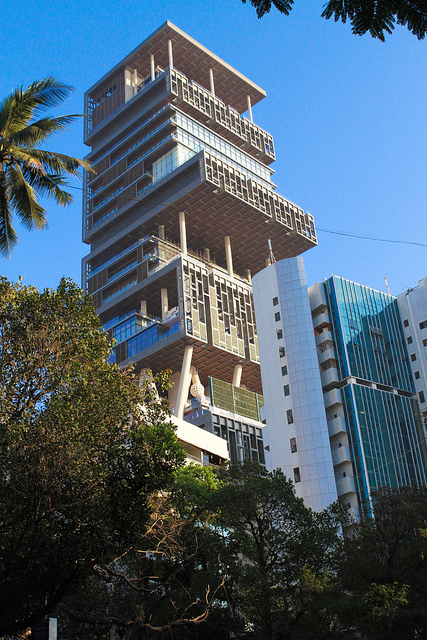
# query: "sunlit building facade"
{"points": [[176, 219], [371, 406]]}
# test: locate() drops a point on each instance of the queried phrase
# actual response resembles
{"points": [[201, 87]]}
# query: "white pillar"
{"points": [[248, 276], [164, 302], [152, 67], [144, 307], [228, 256], [170, 53], [135, 81], [237, 376], [211, 82], [184, 382], [182, 232], [248, 98]]}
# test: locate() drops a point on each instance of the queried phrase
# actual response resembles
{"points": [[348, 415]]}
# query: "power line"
{"points": [[331, 231]]}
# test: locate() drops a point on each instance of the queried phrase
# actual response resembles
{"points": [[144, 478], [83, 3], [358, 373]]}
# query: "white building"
{"points": [[296, 430], [413, 311]]}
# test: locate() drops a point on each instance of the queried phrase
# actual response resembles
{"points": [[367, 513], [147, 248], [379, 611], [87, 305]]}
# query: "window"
{"points": [[293, 442], [279, 334], [277, 316], [417, 375], [281, 351], [275, 301], [425, 342], [290, 416], [284, 370], [421, 396], [406, 323], [409, 340], [423, 325], [297, 475], [287, 390], [413, 357]]}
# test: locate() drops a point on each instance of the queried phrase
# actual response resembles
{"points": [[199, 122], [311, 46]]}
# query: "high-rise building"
{"points": [[371, 406], [413, 311], [177, 216], [296, 429]]}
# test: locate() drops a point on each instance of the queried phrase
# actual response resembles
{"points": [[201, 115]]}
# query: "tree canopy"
{"points": [[81, 448], [26, 171], [377, 17]]}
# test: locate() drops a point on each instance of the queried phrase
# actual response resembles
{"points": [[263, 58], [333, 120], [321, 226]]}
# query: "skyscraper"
{"points": [[177, 216], [371, 406]]}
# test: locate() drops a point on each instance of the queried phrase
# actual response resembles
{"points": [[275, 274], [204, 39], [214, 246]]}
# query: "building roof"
{"points": [[194, 61]]}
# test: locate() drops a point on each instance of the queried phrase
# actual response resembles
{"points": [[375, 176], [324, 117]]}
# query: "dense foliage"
{"points": [[377, 17], [80, 450]]}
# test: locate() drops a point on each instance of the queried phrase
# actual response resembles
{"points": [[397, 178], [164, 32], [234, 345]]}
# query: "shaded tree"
{"points": [[81, 448], [377, 17], [385, 569]]}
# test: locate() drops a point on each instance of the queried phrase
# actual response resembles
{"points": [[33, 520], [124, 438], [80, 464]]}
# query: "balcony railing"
{"points": [[215, 109]]}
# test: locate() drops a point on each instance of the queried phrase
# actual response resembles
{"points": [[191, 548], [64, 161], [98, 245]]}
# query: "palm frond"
{"points": [[8, 237], [23, 199], [37, 132]]}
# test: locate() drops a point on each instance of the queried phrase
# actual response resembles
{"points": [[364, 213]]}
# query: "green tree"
{"points": [[283, 553], [377, 17], [26, 171], [81, 448], [385, 568]]}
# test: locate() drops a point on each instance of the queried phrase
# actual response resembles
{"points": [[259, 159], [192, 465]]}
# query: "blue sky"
{"points": [[348, 116]]}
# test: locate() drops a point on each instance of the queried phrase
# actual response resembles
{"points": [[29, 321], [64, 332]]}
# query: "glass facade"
{"points": [[376, 388]]}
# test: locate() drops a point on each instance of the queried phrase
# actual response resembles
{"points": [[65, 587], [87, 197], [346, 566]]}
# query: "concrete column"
{"points": [[173, 390], [153, 68], [161, 232], [211, 82], [182, 232], [207, 254], [248, 276], [237, 376], [170, 55], [164, 302], [248, 98], [135, 81], [144, 307], [184, 382], [228, 256]]}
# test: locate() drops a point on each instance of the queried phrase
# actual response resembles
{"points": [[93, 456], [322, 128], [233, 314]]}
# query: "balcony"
{"points": [[329, 377], [340, 455], [320, 321], [332, 397], [336, 425], [322, 337], [345, 485], [256, 140]]}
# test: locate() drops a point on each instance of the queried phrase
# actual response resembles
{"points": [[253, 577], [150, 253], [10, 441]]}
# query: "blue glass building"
{"points": [[368, 388]]}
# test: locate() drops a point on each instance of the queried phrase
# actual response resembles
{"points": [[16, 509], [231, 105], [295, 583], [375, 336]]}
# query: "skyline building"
{"points": [[296, 429], [371, 406], [177, 218]]}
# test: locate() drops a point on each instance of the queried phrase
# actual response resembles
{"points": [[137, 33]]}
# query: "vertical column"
{"points": [[237, 376], [170, 55], [228, 256], [184, 382], [164, 302], [248, 98], [182, 232], [144, 307], [248, 276], [161, 232], [211, 82], [152, 67]]}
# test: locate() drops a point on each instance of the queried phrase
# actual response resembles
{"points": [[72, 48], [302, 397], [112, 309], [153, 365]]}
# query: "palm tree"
{"points": [[26, 171]]}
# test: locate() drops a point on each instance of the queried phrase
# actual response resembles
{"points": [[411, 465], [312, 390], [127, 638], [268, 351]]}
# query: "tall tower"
{"points": [[371, 406], [176, 216]]}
